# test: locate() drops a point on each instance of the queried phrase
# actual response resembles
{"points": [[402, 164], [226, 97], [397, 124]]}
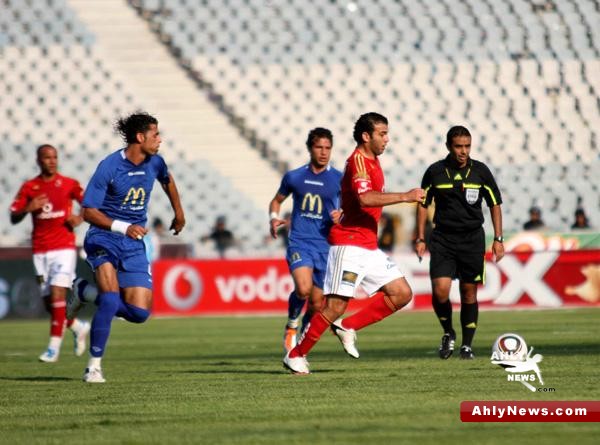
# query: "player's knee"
{"points": [[303, 291], [402, 298], [137, 314], [470, 298], [334, 308], [315, 306], [108, 302]]}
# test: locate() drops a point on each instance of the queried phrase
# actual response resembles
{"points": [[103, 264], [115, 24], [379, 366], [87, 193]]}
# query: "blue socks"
{"points": [[295, 306], [109, 305]]}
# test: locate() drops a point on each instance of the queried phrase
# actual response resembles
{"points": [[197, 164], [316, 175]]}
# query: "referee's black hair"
{"points": [[456, 131], [366, 123], [133, 124], [317, 133]]}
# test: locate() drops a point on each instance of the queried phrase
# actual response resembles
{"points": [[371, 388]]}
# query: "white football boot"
{"points": [[93, 375], [80, 337], [49, 356], [298, 365], [347, 338]]}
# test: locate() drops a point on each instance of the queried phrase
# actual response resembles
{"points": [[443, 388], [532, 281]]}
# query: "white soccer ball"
{"points": [[509, 347]]}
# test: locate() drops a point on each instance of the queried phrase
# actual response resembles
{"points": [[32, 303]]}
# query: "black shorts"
{"points": [[458, 255]]}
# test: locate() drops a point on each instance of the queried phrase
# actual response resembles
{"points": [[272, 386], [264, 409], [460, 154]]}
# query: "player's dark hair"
{"points": [[41, 147], [133, 124], [317, 133], [366, 123], [456, 131]]}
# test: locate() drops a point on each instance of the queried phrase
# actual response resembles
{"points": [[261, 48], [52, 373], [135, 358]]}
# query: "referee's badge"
{"points": [[472, 195]]}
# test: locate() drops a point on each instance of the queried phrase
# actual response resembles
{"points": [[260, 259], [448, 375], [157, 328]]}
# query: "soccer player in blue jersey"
{"points": [[315, 190], [115, 204]]}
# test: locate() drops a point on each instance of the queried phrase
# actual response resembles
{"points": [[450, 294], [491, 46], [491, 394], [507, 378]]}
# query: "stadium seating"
{"points": [[57, 87], [517, 72], [522, 75]]}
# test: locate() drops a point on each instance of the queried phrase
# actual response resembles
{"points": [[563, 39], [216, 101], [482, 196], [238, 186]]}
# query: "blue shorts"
{"points": [[307, 255], [128, 256]]}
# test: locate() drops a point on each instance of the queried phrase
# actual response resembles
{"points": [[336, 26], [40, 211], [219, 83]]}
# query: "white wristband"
{"points": [[119, 226], [273, 215]]}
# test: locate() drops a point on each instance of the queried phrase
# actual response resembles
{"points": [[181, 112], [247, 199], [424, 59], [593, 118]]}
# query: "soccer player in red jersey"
{"points": [[354, 258], [49, 198]]}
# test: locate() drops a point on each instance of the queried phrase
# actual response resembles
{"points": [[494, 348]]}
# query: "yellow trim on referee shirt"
{"points": [[444, 186], [494, 200]]}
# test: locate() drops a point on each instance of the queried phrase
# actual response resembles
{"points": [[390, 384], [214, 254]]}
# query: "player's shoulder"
{"points": [[113, 158], [66, 179], [334, 174], [356, 160], [31, 182], [157, 159], [299, 172]]}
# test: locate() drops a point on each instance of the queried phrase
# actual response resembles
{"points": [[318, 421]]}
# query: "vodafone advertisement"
{"points": [[261, 286]]}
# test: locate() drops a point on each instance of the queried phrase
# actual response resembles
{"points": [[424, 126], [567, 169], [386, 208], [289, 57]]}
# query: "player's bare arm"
{"points": [[74, 220], [497, 247], [173, 194], [99, 219], [373, 198], [275, 220], [35, 204]]}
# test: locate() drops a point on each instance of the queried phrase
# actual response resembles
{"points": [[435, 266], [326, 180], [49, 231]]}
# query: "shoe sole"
{"points": [[286, 366]]}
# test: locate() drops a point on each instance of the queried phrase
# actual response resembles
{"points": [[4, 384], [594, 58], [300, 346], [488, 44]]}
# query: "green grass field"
{"points": [[220, 380]]}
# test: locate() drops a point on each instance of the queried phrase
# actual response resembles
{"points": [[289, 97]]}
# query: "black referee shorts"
{"points": [[458, 255]]}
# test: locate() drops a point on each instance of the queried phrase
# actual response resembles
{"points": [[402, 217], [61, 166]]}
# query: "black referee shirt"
{"points": [[458, 193]]}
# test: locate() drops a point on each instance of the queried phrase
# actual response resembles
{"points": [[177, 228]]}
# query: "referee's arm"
{"points": [[497, 246]]}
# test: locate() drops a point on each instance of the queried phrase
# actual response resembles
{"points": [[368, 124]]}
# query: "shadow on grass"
{"points": [[239, 371], [399, 352], [42, 378]]}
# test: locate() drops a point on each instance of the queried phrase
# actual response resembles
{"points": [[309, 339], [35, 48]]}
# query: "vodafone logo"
{"points": [[182, 287], [268, 287]]}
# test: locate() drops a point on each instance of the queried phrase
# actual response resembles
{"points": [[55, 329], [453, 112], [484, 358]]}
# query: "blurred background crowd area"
{"points": [[237, 85]]}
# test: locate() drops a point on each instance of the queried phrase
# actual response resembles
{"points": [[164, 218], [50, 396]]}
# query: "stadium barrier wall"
{"points": [[551, 279], [185, 287]]}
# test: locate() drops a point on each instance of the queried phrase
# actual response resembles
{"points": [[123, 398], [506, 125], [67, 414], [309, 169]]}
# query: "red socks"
{"points": [[58, 315], [318, 324], [379, 308]]}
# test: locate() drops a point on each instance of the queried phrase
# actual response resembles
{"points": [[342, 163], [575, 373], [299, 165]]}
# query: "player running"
{"points": [[354, 258], [315, 190], [116, 206], [49, 198]]}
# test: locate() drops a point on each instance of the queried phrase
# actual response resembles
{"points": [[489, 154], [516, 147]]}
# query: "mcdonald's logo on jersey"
{"points": [[136, 195], [315, 203]]}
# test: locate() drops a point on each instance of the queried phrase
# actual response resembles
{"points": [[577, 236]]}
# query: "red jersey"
{"points": [[50, 230], [358, 226]]}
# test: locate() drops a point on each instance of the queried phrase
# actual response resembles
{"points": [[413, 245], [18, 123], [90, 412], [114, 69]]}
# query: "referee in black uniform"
{"points": [[458, 184]]}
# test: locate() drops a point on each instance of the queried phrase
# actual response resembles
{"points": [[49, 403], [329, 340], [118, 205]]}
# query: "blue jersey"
{"points": [[121, 189], [315, 196]]}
